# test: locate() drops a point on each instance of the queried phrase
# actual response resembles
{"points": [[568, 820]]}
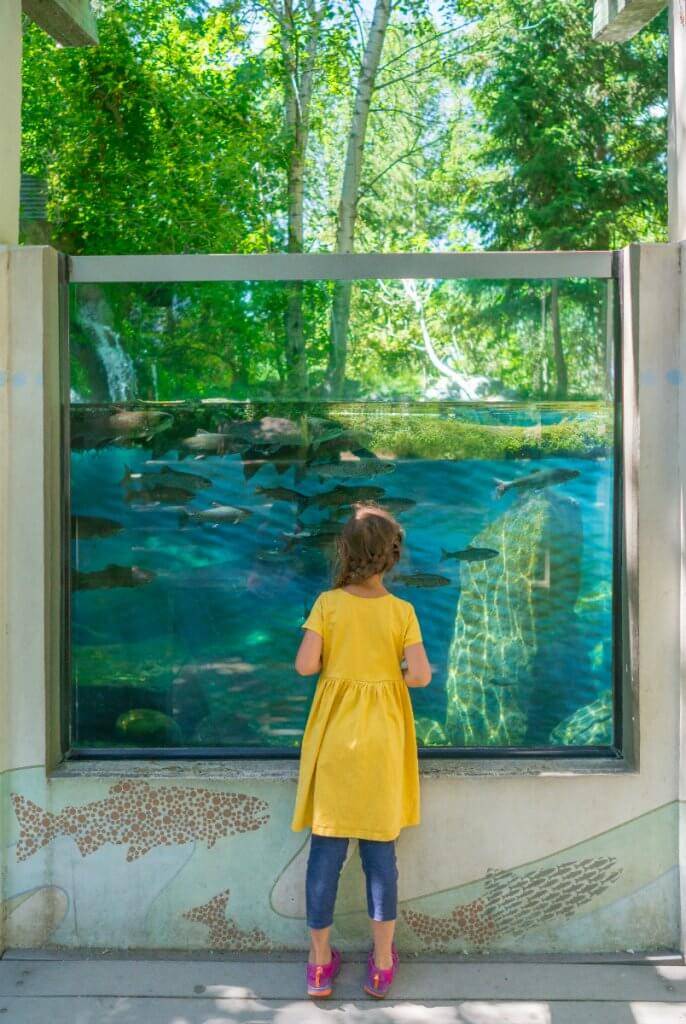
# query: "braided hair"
{"points": [[370, 543]]}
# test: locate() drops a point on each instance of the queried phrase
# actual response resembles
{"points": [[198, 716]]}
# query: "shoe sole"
{"points": [[375, 995], [320, 995]]}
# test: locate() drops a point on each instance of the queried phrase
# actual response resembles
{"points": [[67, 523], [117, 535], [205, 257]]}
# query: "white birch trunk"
{"points": [[467, 387], [350, 191], [298, 85]]}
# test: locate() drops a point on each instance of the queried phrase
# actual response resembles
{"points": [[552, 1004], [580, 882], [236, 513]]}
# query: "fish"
{"points": [[219, 576], [470, 554], [111, 577], [281, 457], [158, 494], [321, 541], [126, 424], [397, 505], [329, 434], [328, 528], [340, 440], [217, 514], [284, 494], [168, 475], [133, 421], [269, 430], [224, 931], [536, 481], [420, 579], [206, 443], [287, 557], [512, 903], [342, 495], [141, 817], [353, 468], [269, 555], [89, 527]]}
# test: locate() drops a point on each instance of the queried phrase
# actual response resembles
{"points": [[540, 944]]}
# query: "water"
{"points": [[190, 638]]}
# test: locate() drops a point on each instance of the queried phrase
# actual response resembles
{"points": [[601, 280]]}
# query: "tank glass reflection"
{"points": [[220, 434]]}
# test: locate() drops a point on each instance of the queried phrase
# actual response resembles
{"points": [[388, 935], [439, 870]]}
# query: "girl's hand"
{"points": [[418, 670], [308, 660]]}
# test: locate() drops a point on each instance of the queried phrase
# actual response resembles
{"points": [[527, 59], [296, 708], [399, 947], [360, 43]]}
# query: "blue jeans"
{"points": [[324, 864]]}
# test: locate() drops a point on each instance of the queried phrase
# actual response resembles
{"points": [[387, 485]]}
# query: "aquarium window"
{"points": [[218, 434]]}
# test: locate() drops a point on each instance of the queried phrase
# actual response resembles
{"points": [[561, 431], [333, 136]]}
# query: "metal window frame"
{"points": [[343, 267], [496, 266]]}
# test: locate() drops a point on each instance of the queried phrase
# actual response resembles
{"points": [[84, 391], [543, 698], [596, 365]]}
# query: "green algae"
{"points": [[414, 433], [147, 727]]}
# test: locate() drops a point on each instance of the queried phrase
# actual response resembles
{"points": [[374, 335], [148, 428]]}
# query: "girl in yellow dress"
{"points": [[359, 774]]}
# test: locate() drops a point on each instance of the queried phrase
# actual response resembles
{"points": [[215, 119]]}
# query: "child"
{"points": [[359, 774]]}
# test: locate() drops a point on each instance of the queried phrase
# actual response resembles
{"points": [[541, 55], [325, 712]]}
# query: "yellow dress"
{"points": [[359, 774]]}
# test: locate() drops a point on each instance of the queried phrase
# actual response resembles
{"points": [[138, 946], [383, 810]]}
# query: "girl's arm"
{"points": [[308, 660], [418, 671]]}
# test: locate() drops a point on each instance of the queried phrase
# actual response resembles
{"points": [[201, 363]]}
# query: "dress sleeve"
{"points": [[413, 634], [315, 620]]}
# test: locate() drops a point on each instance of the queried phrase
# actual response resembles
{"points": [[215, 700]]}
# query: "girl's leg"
{"points": [[324, 864], [381, 873]]}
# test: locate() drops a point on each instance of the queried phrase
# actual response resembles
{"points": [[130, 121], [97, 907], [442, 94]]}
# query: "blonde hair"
{"points": [[369, 543]]}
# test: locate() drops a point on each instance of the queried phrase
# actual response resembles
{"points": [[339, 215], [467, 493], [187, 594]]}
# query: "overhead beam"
{"points": [[617, 20], [69, 22]]}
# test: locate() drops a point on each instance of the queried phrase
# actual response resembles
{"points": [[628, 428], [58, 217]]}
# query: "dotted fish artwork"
{"points": [[141, 817], [224, 932], [513, 904]]}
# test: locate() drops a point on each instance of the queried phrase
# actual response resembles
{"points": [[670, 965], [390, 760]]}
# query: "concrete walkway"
{"points": [[50, 988]]}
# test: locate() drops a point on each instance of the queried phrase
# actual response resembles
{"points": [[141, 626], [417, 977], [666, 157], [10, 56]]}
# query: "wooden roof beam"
{"points": [[69, 22], [617, 20]]}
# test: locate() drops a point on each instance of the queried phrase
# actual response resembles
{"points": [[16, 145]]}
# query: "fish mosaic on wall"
{"points": [[514, 903], [224, 932], [136, 815]]}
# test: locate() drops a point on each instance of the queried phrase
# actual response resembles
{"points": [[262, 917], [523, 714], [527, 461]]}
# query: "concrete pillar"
{"points": [[10, 135], [29, 515], [677, 121], [681, 434]]}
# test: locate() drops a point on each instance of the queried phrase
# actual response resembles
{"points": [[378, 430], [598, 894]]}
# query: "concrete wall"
{"points": [[510, 856]]}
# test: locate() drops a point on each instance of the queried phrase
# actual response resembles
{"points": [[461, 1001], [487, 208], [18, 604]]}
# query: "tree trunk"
{"points": [[298, 82], [463, 382], [561, 383], [350, 190], [608, 328], [538, 383]]}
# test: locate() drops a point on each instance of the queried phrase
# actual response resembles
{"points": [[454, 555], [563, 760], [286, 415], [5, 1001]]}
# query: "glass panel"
{"points": [[218, 438]]}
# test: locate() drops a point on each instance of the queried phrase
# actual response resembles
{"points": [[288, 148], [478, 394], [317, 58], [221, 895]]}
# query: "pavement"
{"points": [[49, 987]]}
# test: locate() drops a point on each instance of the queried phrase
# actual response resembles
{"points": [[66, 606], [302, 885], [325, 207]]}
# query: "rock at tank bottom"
{"points": [[511, 613]]}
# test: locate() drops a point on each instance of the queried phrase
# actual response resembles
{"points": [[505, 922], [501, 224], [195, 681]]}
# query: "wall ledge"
{"points": [[287, 770]]}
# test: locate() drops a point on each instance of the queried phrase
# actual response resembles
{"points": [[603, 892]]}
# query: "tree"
{"points": [[299, 33], [567, 138], [352, 173]]}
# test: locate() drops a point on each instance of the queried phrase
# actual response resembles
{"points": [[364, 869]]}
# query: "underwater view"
{"points": [[204, 525]]}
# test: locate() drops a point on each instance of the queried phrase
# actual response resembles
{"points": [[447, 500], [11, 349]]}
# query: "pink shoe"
{"points": [[379, 979], [320, 976]]}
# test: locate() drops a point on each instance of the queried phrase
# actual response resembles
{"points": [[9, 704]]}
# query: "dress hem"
{"points": [[355, 833]]}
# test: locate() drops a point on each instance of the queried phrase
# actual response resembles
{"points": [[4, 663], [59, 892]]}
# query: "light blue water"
{"points": [[210, 640]]}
